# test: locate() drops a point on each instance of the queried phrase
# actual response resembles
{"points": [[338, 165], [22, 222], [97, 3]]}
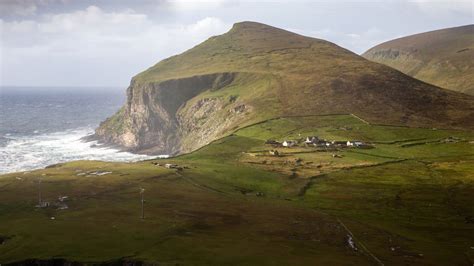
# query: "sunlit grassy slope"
{"points": [[406, 201], [444, 57]]}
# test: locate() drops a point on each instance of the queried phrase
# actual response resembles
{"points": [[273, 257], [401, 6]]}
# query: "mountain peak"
{"points": [[260, 42], [250, 25], [259, 30]]}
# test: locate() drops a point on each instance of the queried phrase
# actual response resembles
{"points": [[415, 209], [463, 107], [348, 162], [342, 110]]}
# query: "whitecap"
{"points": [[24, 153]]}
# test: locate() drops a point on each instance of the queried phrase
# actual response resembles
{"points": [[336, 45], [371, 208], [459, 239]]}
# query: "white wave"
{"points": [[38, 151]]}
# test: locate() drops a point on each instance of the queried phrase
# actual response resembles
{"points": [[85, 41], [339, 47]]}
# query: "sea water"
{"points": [[44, 126]]}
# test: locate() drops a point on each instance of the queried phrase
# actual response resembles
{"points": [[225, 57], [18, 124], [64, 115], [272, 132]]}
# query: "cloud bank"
{"points": [[103, 42], [92, 46]]}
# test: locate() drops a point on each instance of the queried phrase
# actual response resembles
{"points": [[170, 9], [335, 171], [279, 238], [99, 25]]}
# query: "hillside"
{"points": [[405, 201], [444, 57], [255, 72]]}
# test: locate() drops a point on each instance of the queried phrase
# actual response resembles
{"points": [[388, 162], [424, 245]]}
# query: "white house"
{"points": [[311, 140], [354, 143], [171, 166], [289, 143]]}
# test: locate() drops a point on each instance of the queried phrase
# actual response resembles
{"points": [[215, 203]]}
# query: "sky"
{"points": [[66, 43]]}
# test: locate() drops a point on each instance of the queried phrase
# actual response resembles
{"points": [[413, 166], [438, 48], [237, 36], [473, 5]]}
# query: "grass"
{"points": [[233, 204], [421, 205]]}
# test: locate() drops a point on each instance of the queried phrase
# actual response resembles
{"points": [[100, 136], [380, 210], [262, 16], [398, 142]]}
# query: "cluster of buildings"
{"points": [[320, 143], [60, 204]]}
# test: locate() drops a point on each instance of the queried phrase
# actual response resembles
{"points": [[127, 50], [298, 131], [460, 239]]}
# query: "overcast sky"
{"points": [[106, 42]]}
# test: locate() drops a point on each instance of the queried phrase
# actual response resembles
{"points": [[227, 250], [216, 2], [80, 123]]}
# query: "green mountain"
{"points": [[256, 72], [444, 57]]}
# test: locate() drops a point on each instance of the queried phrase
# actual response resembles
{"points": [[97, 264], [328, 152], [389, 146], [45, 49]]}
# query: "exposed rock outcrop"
{"points": [[161, 118]]}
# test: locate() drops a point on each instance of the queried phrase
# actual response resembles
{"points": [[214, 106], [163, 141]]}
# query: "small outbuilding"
{"points": [[272, 142], [171, 166], [311, 140], [43, 204], [321, 144], [63, 198], [274, 153], [355, 143], [338, 143], [289, 143]]}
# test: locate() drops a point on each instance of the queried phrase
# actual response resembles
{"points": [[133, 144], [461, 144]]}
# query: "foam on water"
{"points": [[23, 153]]}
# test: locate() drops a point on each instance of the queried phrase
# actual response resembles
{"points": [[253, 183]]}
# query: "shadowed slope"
{"points": [[444, 57]]}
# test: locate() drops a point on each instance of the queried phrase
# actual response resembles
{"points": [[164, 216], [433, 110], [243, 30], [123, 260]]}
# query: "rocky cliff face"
{"points": [[162, 118]]}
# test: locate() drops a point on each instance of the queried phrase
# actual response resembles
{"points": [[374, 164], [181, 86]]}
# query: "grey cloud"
{"points": [[20, 9], [106, 42]]}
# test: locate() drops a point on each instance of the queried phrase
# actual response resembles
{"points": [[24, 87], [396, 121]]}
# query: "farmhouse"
{"points": [[311, 140], [355, 143], [171, 166], [289, 143]]}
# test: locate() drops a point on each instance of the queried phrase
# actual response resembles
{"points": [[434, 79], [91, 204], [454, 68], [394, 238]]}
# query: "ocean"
{"points": [[43, 126]]}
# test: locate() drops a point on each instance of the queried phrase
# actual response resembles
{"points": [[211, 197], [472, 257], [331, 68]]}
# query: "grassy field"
{"points": [[406, 201]]}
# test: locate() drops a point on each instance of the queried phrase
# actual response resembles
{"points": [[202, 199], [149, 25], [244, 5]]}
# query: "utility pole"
{"points": [[40, 200], [142, 192]]}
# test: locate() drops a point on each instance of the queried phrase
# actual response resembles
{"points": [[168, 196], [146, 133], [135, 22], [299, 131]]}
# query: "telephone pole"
{"points": [[40, 200], [142, 192]]}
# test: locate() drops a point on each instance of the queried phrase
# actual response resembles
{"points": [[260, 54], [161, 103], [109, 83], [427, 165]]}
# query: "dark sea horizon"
{"points": [[40, 126]]}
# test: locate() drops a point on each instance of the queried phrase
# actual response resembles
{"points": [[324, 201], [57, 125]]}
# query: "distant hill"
{"points": [[255, 72], [444, 57]]}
